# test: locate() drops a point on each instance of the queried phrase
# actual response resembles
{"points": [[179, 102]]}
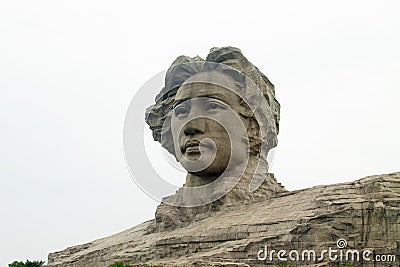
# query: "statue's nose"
{"points": [[193, 127]]}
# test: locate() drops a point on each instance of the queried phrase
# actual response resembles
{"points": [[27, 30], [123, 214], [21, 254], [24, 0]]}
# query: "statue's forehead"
{"points": [[208, 84], [200, 89], [214, 77]]}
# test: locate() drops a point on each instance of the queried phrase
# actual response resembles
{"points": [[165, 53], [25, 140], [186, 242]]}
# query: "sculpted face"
{"points": [[206, 128], [219, 118]]}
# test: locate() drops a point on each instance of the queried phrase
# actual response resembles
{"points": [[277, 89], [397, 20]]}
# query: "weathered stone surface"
{"points": [[251, 96], [169, 217], [365, 212], [230, 56], [232, 229]]}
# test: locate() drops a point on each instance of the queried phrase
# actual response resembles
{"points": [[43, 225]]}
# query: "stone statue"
{"points": [[220, 119], [220, 125]]}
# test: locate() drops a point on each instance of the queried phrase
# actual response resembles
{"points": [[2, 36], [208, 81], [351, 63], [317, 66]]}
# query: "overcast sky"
{"points": [[69, 69]]}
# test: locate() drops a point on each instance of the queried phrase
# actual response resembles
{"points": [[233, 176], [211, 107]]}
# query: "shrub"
{"points": [[26, 264]]}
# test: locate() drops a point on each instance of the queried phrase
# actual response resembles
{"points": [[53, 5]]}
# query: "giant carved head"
{"points": [[214, 114]]}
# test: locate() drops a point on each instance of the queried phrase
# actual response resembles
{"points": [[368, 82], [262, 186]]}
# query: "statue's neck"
{"points": [[169, 216], [193, 180]]}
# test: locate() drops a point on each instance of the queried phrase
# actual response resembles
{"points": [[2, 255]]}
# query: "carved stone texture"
{"points": [[229, 56], [182, 118], [233, 228], [365, 212]]}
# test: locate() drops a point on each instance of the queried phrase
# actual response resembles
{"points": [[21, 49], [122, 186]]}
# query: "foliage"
{"points": [[26, 264], [17, 264]]}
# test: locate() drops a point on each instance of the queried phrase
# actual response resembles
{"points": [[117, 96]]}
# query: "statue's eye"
{"points": [[214, 106], [181, 111]]}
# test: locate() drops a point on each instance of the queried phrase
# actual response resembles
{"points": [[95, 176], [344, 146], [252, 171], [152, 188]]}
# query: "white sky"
{"points": [[69, 69]]}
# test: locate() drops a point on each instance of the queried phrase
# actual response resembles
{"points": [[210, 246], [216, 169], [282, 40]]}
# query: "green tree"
{"points": [[17, 264], [26, 264]]}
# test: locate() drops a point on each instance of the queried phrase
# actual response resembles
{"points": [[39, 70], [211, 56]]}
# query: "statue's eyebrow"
{"points": [[179, 101], [218, 96]]}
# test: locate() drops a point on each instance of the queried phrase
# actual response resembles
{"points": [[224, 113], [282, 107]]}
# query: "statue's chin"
{"points": [[193, 155]]}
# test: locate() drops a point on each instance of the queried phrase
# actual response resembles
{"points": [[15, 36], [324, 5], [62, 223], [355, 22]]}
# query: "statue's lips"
{"points": [[193, 146]]}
